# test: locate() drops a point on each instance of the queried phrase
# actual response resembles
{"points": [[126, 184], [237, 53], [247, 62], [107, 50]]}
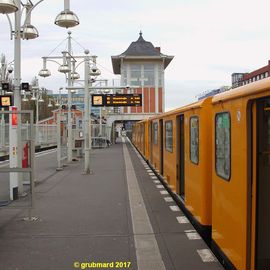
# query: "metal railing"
{"points": [[45, 135]]}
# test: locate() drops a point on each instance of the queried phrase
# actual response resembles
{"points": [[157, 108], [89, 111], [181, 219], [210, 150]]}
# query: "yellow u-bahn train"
{"points": [[214, 157]]}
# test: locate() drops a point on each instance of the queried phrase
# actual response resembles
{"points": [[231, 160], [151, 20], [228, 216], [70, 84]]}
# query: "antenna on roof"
{"points": [[140, 33]]}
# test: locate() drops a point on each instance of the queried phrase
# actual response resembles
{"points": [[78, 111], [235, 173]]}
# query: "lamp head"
{"points": [[8, 6], [67, 19]]}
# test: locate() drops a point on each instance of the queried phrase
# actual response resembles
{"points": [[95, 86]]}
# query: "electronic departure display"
{"points": [[5, 101], [117, 100]]}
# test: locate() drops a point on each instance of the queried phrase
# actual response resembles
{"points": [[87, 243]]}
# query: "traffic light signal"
{"points": [[25, 86], [5, 86]]}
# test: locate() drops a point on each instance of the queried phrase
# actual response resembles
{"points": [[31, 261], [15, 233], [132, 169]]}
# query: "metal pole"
{"points": [[66, 4], [59, 146], [100, 122], [69, 101], [37, 112], [15, 149], [87, 129]]}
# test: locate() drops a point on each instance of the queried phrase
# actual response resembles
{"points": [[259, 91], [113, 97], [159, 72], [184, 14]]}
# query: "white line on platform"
{"points": [[164, 192], [168, 199], [182, 220], [193, 236], [153, 177], [151, 173], [146, 247], [174, 208], [156, 181], [159, 186], [206, 255]]}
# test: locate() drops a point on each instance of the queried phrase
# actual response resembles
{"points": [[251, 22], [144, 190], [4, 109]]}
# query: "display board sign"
{"points": [[117, 100], [5, 101]]}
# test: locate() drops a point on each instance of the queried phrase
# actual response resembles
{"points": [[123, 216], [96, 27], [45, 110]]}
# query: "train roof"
{"points": [[194, 105], [244, 91]]}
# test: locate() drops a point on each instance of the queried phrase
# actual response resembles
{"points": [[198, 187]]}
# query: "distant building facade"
{"points": [[143, 65], [239, 79]]}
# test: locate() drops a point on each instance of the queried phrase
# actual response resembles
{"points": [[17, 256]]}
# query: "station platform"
{"points": [[119, 217]]}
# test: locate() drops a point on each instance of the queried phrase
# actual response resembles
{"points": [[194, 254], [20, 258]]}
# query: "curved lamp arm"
{"points": [[10, 26], [29, 13]]}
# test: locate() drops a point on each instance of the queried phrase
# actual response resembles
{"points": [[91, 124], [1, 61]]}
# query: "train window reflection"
{"points": [[194, 139], [155, 133], [223, 145], [169, 136]]}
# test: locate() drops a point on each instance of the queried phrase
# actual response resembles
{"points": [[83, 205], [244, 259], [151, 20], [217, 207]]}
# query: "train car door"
{"points": [[181, 161], [161, 146], [262, 235]]}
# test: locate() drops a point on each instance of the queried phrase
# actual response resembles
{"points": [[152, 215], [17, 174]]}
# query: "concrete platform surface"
{"points": [[115, 218]]}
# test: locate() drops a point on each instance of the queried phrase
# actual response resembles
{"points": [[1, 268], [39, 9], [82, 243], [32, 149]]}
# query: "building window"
{"points": [[149, 74], [124, 74], [194, 139], [155, 133], [258, 77], [223, 145], [169, 136], [135, 74], [266, 74], [160, 75]]}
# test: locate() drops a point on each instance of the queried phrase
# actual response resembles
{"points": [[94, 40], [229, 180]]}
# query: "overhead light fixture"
{"points": [[94, 72], [64, 68], [29, 32], [44, 73], [75, 75], [25, 99], [8, 6], [67, 19], [33, 97]]}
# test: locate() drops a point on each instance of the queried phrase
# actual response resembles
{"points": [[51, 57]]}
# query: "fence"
{"points": [[45, 135]]}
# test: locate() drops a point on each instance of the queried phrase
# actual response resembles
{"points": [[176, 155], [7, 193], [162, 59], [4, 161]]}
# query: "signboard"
{"points": [[117, 100], [5, 101], [98, 100]]}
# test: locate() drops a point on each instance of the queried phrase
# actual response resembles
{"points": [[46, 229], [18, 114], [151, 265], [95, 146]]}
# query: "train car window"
{"points": [[194, 139], [223, 145], [169, 136], [155, 133]]}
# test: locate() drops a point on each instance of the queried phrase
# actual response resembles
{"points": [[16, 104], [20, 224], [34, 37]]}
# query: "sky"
{"points": [[209, 39]]}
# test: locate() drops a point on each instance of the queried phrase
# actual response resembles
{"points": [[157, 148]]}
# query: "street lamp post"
{"points": [[65, 19], [87, 129], [69, 68]]}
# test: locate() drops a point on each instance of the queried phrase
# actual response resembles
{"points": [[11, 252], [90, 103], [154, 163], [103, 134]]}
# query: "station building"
{"points": [[142, 66]]}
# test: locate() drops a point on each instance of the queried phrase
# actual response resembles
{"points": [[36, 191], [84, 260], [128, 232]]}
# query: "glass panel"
{"points": [[155, 133], [194, 139], [149, 74], [124, 74], [168, 136], [223, 145], [135, 74]]}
